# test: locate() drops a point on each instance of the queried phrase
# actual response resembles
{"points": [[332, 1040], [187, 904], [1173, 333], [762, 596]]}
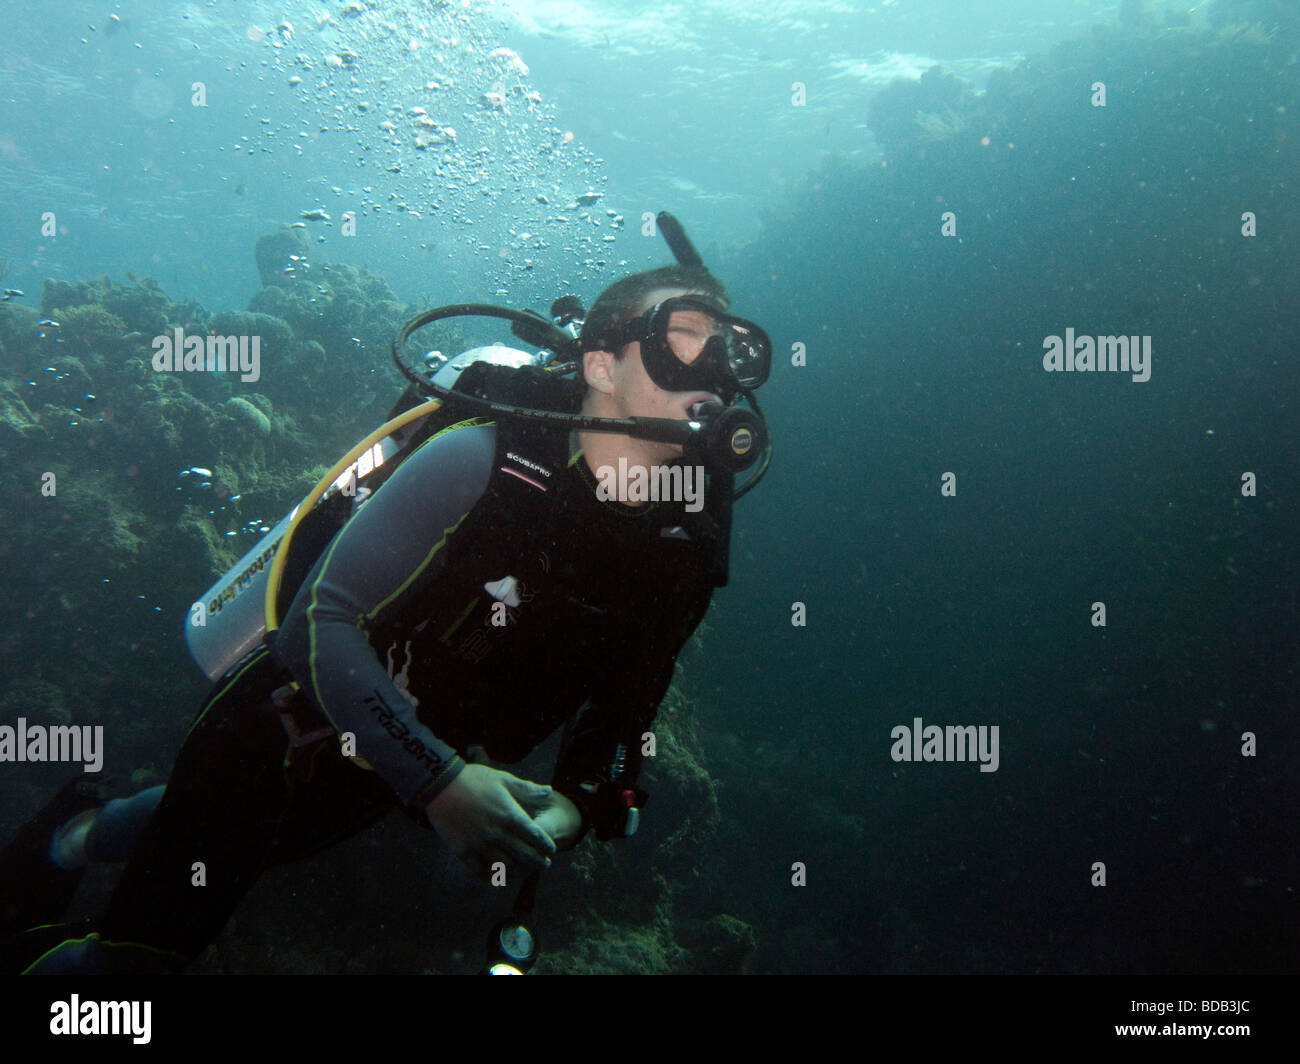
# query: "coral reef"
{"points": [[940, 126], [39, 701], [907, 115], [278, 254], [113, 540]]}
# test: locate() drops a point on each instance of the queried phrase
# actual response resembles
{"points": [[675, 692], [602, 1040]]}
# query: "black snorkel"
{"points": [[726, 440], [678, 242]]}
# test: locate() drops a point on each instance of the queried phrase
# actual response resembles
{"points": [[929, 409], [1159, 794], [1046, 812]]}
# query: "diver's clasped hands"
{"points": [[486, 815]]}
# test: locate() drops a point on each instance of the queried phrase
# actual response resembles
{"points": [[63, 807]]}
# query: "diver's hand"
{"points": [[560, 819], [484, 816]]}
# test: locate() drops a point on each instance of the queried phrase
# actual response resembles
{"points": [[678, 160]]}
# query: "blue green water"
{"points": [[910, 245]]}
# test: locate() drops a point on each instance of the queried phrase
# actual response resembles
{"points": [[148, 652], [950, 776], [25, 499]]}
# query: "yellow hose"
{"points": [[309, 503]]}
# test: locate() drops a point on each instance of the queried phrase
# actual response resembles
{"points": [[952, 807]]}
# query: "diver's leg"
{"points": [[41, 869], [34, 887], [112, 836], [218, 810], [106, 834], [240, 797]]}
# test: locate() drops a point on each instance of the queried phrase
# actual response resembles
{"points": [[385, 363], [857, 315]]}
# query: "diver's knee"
{"points": [[119, 826]]}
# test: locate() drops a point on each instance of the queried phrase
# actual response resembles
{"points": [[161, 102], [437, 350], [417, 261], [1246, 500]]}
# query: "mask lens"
{"points": [[687, 332], [747, 355], [703, 348]]}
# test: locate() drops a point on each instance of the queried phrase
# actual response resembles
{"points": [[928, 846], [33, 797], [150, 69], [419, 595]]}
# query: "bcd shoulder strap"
{"points": [[528, 388]]}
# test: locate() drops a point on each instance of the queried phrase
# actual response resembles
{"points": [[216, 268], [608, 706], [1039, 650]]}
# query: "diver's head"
{"points": [[620, 386], [671, 325], [617, 383], [658, 344], [634, 294]]}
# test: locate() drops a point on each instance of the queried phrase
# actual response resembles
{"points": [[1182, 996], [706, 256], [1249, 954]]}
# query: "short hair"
{"points": [[622, 301]]}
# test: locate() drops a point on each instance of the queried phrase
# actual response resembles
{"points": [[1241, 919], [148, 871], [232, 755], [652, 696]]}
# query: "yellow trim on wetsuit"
{"points": [[313, 497], [95, 936], [255, 656]]}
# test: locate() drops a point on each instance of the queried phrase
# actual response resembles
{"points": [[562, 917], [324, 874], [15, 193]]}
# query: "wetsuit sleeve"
{"points": [[392, 547], [599, 766]]}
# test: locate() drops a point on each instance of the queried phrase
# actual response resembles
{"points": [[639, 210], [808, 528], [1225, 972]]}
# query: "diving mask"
{"points": [[689, 344]]}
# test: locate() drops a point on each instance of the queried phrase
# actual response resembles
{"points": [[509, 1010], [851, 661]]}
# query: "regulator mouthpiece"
{"points": [[732, 437]]}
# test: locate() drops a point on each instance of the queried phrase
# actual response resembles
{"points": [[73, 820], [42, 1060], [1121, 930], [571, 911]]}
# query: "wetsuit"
{"points": [[483, 595]]}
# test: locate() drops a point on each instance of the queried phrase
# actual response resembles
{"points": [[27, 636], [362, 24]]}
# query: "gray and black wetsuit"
{"points": [[483, 595]]}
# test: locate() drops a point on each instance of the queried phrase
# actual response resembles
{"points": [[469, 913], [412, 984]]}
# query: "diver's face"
{"points": [[635, 393]]}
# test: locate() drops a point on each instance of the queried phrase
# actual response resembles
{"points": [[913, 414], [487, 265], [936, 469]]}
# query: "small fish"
{"points": [[316, 215], [48, 323], [197, 471], [9, 293]]}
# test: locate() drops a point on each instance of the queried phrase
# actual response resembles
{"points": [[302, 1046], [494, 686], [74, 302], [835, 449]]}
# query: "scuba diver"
{"points": [[474, 579]]}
